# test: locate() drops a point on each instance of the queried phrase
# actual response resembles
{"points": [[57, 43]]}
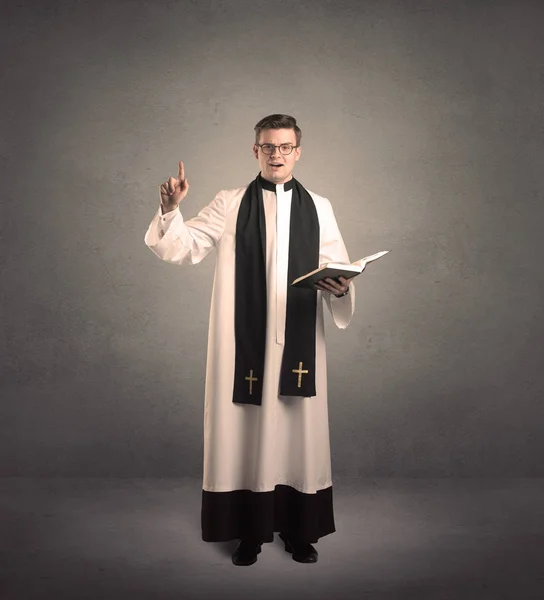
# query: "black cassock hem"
{"points": [[243, 514]]}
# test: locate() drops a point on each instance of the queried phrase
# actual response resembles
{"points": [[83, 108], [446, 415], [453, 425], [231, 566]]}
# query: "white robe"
{"points": [[285, 441]]}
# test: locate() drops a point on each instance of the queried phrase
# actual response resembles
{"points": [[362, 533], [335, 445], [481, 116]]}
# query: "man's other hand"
{"points": [[336, 287], [174, 190]]}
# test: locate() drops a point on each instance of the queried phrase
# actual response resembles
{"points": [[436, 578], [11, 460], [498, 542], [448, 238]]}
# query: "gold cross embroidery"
{"points": [[300, 372], [251, 379]]}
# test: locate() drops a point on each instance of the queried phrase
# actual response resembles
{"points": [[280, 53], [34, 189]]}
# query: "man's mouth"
{"points": [[275, 164]]}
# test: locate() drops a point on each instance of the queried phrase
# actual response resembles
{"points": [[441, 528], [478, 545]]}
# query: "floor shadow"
{"points": [[226, 548]]}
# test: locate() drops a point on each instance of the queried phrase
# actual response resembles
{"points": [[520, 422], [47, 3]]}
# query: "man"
{"points": [[266, 437]]}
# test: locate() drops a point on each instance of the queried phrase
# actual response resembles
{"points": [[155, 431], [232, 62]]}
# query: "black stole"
{"points": [[297, 376]]}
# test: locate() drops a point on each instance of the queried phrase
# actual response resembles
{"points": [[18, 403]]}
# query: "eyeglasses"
{"points": [[268, 149]]}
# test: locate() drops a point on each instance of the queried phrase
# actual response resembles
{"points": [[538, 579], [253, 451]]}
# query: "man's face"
{"points": [[277, 167]]}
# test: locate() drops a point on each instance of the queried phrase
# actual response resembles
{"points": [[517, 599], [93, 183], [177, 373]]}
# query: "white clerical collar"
{"points": [[273, 187]]}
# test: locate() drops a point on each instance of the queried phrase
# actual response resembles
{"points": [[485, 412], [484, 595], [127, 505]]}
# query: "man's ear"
{"points": [[298, 151], [255, 151]]}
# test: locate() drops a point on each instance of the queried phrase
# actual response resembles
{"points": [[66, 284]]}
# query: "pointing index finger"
{"points": [[181, 171]]}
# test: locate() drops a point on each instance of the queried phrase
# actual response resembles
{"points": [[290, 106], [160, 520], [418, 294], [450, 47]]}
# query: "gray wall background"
{"points": [[422, 122]]}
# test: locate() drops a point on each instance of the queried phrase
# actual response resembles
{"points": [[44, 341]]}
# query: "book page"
{"points": [[362, 262]]}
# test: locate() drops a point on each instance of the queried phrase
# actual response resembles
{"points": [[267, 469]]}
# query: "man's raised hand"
{"points": [[174, 190]]}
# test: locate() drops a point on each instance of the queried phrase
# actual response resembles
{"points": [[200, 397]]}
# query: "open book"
{"points": [[335, 270]]}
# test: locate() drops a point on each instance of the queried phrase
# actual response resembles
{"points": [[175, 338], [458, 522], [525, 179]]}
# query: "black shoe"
{"points": [[302, 552], [246, 553]]}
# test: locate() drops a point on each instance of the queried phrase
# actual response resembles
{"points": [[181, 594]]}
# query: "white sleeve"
{"points": [[177, 241], [333, 249]]}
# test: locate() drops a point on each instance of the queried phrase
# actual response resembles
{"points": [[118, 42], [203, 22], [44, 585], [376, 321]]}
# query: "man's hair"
{"points": [[278, 122]]}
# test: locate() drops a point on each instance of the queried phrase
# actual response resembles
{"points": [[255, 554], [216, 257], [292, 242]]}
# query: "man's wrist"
{"points": [[165, 210]]}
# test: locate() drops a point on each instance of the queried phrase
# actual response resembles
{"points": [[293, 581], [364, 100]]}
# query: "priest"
{"points": [[267, 464]]}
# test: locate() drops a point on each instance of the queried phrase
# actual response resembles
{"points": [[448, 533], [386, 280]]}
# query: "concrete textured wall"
{"points": [[422, 122]]}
